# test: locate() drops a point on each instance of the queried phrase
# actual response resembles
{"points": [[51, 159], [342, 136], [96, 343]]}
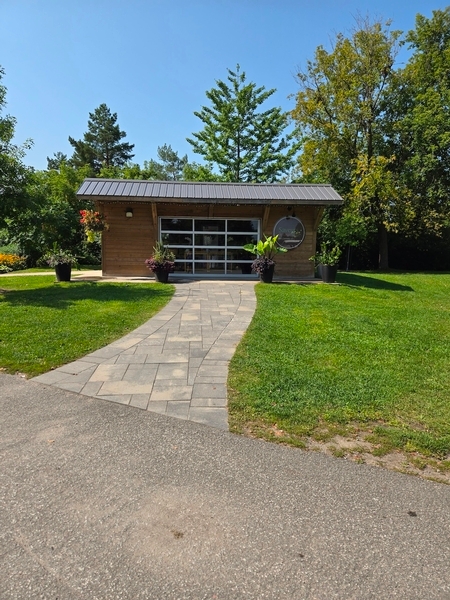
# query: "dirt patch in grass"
{"points": [[355, 447], [358, 370], [360, 451]]}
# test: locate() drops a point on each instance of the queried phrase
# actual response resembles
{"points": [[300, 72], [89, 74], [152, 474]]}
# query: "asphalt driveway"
{"points": [[104, 501]]}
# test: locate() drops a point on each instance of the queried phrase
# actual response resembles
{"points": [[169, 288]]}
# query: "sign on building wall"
{"points": [[290, 232]]}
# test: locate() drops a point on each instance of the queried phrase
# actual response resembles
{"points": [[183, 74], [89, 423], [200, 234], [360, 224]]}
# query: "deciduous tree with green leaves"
{"points": [[101, 145], [340, 112], [14, 175], [198, 172], [244, 143], [419, 117], [52, 213]]}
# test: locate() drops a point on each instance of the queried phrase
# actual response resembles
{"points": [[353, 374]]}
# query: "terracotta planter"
{"points": [[162, 276], [328, 273], [63, 272]]}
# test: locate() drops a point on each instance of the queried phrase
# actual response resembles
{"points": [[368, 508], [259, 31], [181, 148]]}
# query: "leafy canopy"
{"points": [[420, 135], [340, 111], [14, 175]]}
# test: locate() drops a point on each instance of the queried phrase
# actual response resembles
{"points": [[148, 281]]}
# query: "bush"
{"points": [[11, 262]]}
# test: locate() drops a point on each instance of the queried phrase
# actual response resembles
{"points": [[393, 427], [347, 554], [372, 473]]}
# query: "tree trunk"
{"points": [[383, 257]]}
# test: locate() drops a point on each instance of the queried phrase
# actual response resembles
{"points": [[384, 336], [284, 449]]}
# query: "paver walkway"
{"points": [[176, 363]]}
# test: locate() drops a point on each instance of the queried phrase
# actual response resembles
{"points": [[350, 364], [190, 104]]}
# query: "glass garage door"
{"points": [[210, 246]]}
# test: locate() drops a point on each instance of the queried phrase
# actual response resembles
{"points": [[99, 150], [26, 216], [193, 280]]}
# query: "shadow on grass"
{"points": [[352, 280], [62, 295]]}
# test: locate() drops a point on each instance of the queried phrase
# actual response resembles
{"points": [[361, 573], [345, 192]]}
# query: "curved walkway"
{"points": [[176, 363]]}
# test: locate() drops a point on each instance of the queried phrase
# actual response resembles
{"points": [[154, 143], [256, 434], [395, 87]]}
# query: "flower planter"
{"points": [[63, 272], [267, 275], [162, 276], [264, 263], [328, 273], [161, 263]]}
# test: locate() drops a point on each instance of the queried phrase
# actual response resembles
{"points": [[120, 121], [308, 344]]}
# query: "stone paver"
{"points": [[176, 363]]}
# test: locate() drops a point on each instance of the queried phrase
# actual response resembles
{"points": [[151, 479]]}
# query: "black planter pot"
{"points": [[267, 275], [328, 273], [63, 272], [162, 276]]}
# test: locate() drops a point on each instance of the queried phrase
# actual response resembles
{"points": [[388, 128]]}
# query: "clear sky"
{"points": [[151, 61]]}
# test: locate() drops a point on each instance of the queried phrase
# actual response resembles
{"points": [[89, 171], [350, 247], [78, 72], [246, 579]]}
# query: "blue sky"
{"points": [[151, 61]]}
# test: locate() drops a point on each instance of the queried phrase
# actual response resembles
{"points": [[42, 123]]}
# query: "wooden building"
{"points": [[206, 224]]}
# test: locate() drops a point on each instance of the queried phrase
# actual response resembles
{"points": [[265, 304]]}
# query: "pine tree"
{"points": [[169, 167], [54, 163], [101, 146], [245, 145]]}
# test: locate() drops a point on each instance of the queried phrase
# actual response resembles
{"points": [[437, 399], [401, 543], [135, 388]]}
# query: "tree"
{"points": [[419, 109], [56, 161], [245, 145], [340, 111], [14, 175], [52, 213], [197, 172], [172, 164], [169, 167], [101, 146]]}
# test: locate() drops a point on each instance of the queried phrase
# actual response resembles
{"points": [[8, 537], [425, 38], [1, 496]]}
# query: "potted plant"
{"points": [[327, 260], [265, 251], [162, 262], [62, 261]]}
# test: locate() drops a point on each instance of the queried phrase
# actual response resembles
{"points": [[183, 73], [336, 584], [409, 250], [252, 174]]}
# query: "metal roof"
{"points": [[208, 192]]}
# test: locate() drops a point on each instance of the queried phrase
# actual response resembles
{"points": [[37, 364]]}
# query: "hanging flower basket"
{"points": [[93, 222]]}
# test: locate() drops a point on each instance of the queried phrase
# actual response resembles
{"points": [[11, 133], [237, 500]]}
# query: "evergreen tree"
{"points": [[56, 161], [169, 167], [101, 145], [245, 145]]}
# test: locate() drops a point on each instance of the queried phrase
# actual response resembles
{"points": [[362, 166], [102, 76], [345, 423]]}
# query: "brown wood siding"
{"points": [[129, 241], [295, 263]]}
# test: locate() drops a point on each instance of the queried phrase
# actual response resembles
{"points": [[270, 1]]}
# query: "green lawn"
{"points": [[52, 270], [370, 355], [44, 324]]}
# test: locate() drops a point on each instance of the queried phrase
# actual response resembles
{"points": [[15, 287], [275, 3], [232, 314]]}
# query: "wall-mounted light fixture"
{"points": [[129, 212], [289, 209]]}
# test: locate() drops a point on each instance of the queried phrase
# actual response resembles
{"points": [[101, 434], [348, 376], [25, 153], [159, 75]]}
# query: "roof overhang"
{"points": [[128, 190]]}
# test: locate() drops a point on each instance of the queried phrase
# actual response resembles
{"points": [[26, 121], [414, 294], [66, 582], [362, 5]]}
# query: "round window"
{"points": [[290, 232]]}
